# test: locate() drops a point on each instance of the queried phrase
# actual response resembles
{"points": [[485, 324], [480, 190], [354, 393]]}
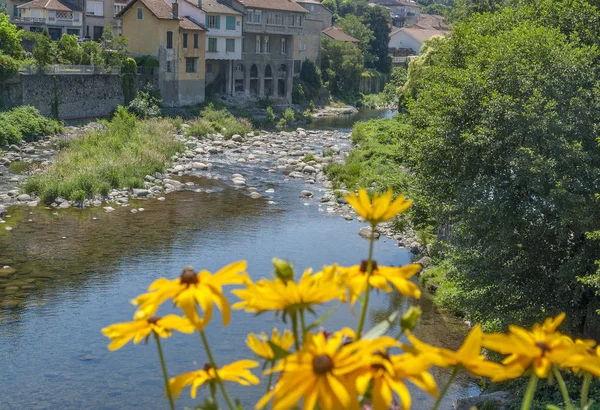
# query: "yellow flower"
{"points": [[387, 374], [541, 347], [583, 356], [190, 289], [121, 333], [356, 278], [381, 209], [260, 345], [322, 372], [467, 356], [278, 294], [234, 372]]}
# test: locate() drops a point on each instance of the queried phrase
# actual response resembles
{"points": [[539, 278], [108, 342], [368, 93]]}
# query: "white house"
{"points": [[407, 41], [223, 39]]}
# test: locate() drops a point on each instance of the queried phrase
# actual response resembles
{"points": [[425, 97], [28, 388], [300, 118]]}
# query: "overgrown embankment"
{"points": [[25, 124], [116, 157]]}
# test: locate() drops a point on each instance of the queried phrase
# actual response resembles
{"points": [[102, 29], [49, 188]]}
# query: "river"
{"points": [[76, 271]]}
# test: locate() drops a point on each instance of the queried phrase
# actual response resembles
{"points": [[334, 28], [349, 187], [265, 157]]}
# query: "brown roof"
{"points": [[421, 34], [432, 21], [164, 11], [286, 5], [187, 23], [338, 34], [48, 5], [395, 3], [215, 7]]}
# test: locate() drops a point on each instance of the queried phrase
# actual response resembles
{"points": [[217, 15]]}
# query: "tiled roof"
{"points": [[432, 21], [286, 5], [187, 23], [338, 34], [157, 7], [395, 30], [215, 7], [395, 3], [48, 5], [421, 34]]}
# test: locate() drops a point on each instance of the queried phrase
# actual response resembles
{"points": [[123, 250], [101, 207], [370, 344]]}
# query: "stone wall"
{"points": [[72, 96]]}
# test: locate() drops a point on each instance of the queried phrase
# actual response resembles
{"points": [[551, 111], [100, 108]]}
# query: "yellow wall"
{"points": [[191, 52], [145, 36]]}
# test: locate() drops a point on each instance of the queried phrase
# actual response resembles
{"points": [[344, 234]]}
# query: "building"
{"points": [[337, 34], [58, 17], [223, 40], [155, 28], [318, 19], [404, 13], [433, 21], [99, 14], [271, 30], [407, 41]]}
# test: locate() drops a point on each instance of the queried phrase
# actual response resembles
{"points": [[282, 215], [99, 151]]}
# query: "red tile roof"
{"points": [[188, 24], [286, 5], [338, 34], [48, 5], [163, 11], [215, 7]]}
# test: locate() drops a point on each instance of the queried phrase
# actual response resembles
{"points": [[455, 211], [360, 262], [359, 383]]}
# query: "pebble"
{"points": [[108, 209], [306, 194]]}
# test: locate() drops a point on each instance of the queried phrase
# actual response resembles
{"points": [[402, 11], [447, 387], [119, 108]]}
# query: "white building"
{"points": [[58, 17], [407, 41]]}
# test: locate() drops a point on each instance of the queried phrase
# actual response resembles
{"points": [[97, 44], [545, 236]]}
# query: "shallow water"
{"points": [[76, 271]]}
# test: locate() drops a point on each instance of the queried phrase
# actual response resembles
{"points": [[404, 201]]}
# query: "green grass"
{"points": [[309, 157], [25, 123], [212, 121], [117, 157]]}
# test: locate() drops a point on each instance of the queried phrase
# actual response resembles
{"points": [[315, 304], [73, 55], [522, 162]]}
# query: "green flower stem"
{"points": [[585, 389], [164, 371], [270, 376], [295, 330], [446, 387], [214, 366], [563, 387], [303, 326], [530, 392], [363, 312]]}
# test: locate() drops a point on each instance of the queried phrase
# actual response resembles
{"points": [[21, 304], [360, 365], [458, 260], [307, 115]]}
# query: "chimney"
{"points": [[200, 4], [175, 10]]}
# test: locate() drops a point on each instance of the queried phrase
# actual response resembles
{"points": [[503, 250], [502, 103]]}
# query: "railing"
{"points": [[39, 20], [29, 19], [71, 69]]}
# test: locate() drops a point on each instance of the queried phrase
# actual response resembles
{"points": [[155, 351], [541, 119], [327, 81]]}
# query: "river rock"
{"points": [[309, 169], [306, 194], [425, 261], [141, 192], [296, 174], [200, 165], [365, 232], [97, 203], [268, 191], [65, 205], [108, 209], [497, 400], [255, 195], [24, 198], [31, 204], [172, 182], [14, 148], [237, 138]]}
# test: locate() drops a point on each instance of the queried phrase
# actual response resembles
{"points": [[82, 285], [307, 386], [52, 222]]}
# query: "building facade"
{"points": [[271, 29], [58, 17], [404, 13], [318, 19], [223, 44], [99, 14], [155, 28]]}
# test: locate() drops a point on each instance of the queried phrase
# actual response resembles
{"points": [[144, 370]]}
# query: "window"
{"points": [[283, 46], [250, 16], [312, 7], [117, 8], [76, 17], [208, 67], [73, 31], [257, 16], [291, 19], [230, 45], [51, 15], [267, 47], [258, 44], [15, 11], [140, 16], [230, 23], [213, 22], [191, 65], [95, 8], [185, 38], [212, 45], [195, 40], [299, 20], [169, 68], [169, 39]]}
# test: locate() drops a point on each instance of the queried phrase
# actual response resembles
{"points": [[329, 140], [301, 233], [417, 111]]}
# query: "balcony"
{"points": [[42, 21], [28, 20]]}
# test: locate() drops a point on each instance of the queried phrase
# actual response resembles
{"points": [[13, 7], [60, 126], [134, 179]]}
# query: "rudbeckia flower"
{"points": [[356, 279], [202, 288], [540, 348], [467, 356], [138, 330], [238, 372], [323, 372], [381, 209], [584, 356], [260, 345], [279, 295], [386, 374]]}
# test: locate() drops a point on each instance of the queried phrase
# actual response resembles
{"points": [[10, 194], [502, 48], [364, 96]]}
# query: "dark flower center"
{"points": [[365, 264], [543, 346], [188, 276], [207, 367], [379, 366], [152, 320], [322, 364]]}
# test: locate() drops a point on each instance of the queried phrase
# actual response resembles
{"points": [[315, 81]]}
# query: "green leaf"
{"points": [[382, 327], [278, 351], [323, 318]]}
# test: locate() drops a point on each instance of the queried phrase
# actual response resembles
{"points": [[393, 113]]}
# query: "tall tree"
{"points": [[341, 66], [11, 50], [354, 27], [379, 21]]}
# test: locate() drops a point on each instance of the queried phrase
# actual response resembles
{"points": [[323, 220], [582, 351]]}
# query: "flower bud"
{"points": [[410, 318], [283, 269]]}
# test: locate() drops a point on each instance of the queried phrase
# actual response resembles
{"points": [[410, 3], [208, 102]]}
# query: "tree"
{"points": [[114, 48], [505, 149], [331, 5], [11, 51], [355, 7], [69, 50], [341, 66], [379, 21], [44, 49], [354, 27], [92, 54]]}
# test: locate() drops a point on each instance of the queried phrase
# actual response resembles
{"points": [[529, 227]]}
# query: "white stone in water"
{"points": [[271, 202], [108, 209], [255, 195], [8, 228], [269, 191], [134, 211], [141, 209], [162, 198], [234, 176]]}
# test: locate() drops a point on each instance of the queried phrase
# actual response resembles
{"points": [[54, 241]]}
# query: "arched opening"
{"points": [[282, 80], [254, 79], [268, 80], [239, 75]]}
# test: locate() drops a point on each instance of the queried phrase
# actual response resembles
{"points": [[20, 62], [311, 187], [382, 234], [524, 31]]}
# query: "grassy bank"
{"points": [[117, 157], [212, 121], [25, 123]]}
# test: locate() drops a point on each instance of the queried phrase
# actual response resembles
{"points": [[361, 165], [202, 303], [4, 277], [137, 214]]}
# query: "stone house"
{"points": [[155, 28], [57, 16], [223, 40], [318, 19], [271, 30]]}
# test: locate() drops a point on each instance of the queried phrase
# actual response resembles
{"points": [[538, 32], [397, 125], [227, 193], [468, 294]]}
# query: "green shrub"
{"points": [[282, 123], [289, 116], [327, 153], [212, 121], [270, 115], [177, 122], [27, 123], [200, 129], [145, 103]]}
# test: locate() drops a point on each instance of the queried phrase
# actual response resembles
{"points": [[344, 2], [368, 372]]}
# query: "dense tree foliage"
{"points": [[341, 65], [506, 121], [11, 51], [353, 26], [379, 21]]}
